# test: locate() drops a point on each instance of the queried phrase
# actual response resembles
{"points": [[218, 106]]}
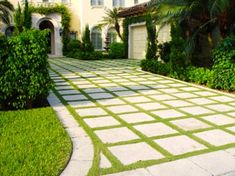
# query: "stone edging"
{"points": [[82, 150]]}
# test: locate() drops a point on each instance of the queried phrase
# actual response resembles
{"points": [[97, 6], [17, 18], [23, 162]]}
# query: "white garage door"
{"points": [[138, 38]]}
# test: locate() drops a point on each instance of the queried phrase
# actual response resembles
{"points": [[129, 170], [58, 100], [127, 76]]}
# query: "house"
{"points": [[137, 32], [82, 12]]}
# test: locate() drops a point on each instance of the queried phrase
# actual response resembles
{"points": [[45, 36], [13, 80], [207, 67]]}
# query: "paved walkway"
{"points": [[145, 124]]}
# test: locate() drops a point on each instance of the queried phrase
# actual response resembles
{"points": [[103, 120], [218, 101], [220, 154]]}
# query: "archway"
{"points": [[46, 24]]}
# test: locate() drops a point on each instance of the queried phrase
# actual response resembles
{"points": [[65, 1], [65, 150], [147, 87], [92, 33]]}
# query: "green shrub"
{"points": [[164, 51], [25, 79], [199, 75], [223, 76], [116, 51], [74, 47], [154, 66]]}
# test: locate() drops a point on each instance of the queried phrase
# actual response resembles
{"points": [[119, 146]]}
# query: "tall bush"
{"points": [[25, 79], [86, 41], [116, 51], [223, 76], [151, 39]]}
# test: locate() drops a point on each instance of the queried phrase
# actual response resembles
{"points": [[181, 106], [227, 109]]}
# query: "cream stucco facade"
{"points": [[83, 12]]}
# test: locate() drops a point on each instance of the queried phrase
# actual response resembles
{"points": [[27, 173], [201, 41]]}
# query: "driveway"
{"points": [[145, 124]]}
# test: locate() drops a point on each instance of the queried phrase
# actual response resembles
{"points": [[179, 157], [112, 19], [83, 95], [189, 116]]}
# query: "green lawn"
{"points": [[32, 142]]}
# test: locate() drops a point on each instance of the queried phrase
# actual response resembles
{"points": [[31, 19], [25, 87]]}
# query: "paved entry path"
{"points": [[145, 124]]}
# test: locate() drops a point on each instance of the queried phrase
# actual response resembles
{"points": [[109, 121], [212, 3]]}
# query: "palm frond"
{"points": [[218, 6]]}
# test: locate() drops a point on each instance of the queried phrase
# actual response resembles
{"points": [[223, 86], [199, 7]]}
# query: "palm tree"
{"points": [[112, 19], [5, 11], [213, 16]]}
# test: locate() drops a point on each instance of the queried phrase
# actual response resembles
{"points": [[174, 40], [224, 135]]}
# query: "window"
{"points": [[136, 1], [97, 2], [112, 35], [96, 38], [118, 3]]}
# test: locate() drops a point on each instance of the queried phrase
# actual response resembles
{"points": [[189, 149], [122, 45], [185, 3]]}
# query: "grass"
{"points": [[33, 142]]}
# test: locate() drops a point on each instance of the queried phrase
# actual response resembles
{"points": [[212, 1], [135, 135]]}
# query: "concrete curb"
{"points": [[82, 152]]}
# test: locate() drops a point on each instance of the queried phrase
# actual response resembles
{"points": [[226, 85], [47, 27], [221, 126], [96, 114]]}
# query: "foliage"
{"points": [[33, 142], [25, 79], [151, 39], [75, 46], [126, 22], [154, 66], [27, 15], [223, 76], [5, 11], [86, 41], [199, 75], [3, 52], [211, 18], [19, 20], [112, 20], [164, 51], [65, 21], [116, 50]]}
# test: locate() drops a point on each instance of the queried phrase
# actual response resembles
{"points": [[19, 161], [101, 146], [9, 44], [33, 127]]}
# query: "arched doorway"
{"points": [[46, 24]]}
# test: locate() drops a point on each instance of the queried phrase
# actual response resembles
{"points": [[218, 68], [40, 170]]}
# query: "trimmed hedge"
{"points": [[116, 51], [24, 75]]}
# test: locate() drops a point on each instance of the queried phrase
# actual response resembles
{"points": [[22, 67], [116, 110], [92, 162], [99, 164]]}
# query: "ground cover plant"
{"points": [[33, 142]]}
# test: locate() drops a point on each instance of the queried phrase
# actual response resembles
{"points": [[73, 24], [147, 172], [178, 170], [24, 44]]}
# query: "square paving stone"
{"points": [[101, 121], [171, 113], [159, 86], [81, 104], [176, 85], [112, 89], [114, 101], [132, 153], [231, 128], [101, 95], [190, 89], [91, 112], [220, 107], [190, 124], [138, 87], [69, 92], [196, 110], [217, 163], [139, 99], [104, 162], [185, 95], [149, 92], [201, 101], [182, 167], [125, 93], [63, 87], [122, 109], [116, 135], [205, 93], [136, 117], [136, 172], [95, 90], [232, 114], [74, 97], [162, 97], [182, 144], [155, 129], [216, 137], [171, 90], [151, 106], [223, 99], [219, 119], [178, 103]]}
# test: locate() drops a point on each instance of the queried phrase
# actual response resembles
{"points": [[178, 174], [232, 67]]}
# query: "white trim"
{"points": [[129, 36]]}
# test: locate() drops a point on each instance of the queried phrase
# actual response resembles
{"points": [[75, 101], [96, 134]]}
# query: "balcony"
{"points": [[47, 3]]}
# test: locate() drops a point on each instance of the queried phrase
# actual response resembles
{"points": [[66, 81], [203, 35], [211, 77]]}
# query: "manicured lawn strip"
{"points": [[118, 166], [33, 142]]}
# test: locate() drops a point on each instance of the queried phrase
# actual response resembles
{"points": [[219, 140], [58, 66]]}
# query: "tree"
{"points": [[112, 19], [27, 15], [214, 17], [5, 11]]}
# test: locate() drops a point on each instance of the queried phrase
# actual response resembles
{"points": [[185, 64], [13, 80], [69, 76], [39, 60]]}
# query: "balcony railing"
{"points": [[47, 3]]}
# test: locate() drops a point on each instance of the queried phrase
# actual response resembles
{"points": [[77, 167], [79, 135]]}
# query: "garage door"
{"points": [[138, 38]]}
